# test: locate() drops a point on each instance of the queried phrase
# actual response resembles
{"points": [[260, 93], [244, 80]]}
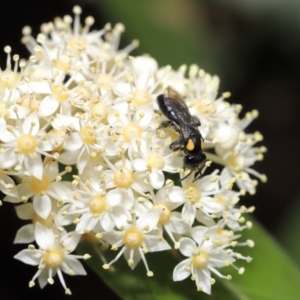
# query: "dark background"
{"points": [[257, 55]]}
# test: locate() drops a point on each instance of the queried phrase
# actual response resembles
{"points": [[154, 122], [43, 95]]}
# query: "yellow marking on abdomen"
{"points": [[190, 145]]}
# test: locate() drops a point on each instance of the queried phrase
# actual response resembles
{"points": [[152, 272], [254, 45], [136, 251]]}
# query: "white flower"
{"points": [[24, 145], [96, 209], [43, 190], [53, 256], [156, 157], [83, 140], [137, 237], [199, 196], [26, 212], [203, 259], [122, 177], [168, 199]]}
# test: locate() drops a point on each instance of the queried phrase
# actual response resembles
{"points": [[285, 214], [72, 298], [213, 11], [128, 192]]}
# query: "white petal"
{"points": [[175, 194], [113, 237], [198, 233], [114, 197], [39, 87], [155, 243], [60, 190], [51, 170], [204, 219], [177, 225], [136, 256], [211, 206], [44, 236], [203, 280], [83, 159], [70, 240], [8, 158], [187, 246], [143, 64], [27, 257], [147, 112], [157, 179], [69, 157], [188, 213], [48, 106], [74, 142], [139, 164], [12, 190], [34, 166], [25, 234], [6, 136], [121, 216], [25, 211], [149, 220], [42, 205], [180, 272], [74, 265], [107, 221], [87, 223], [43, 277], [28, 126]]}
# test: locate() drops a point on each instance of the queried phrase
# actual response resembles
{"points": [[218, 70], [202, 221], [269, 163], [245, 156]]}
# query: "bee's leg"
{"points": [[186, 175], [178, 144], [195, 121], [197, 175], [168, 123], [165, 124]]}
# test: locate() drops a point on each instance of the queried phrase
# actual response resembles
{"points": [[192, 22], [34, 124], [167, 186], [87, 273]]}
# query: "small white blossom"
{"points": [[203, 259], [137, 237], [53, 256]]}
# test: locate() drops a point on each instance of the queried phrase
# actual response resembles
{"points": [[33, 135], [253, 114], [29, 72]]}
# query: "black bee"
{"points": [[190, 139]]}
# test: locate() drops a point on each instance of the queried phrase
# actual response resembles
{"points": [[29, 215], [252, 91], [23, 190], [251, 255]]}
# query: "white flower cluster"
{"points": [[81, 101]]}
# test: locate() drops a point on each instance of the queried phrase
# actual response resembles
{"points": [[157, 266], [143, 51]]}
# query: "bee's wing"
{"points": [[171, 93], [181, 110]]}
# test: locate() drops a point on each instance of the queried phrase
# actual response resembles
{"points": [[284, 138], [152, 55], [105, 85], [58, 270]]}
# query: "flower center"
{"points": [[200, 260], [236, 162], [63, 62], [141, 97], [29, 101], [77, 43], [84, 92], [8, 78], [60, 93], [205, 106], [105, 81], [155, 161], [192, 193], [165, 214], [100, 111], [97, 205], [123, 178], [39, 186], [133, 238], [131, 130], [47, 223], [220, 198], [54, 258], [26, 143], [88, 135]]}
